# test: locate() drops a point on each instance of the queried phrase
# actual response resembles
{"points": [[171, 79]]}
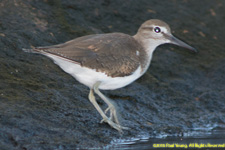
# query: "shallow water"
{"points": [[203, 138]]}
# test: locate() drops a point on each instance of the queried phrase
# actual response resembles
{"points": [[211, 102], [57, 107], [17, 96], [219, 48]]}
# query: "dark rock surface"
{"points": [[41, 107]]}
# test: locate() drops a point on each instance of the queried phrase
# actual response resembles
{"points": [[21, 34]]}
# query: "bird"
{"points": [[110, 61]]}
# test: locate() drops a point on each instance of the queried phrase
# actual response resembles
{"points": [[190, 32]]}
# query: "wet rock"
{"points": [[44, 108]]}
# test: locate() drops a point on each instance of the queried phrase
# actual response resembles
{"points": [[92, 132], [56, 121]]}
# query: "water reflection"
{"points": [[204, 138]]}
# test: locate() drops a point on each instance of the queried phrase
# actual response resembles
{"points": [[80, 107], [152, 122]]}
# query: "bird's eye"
{"points": [[157, 29]]}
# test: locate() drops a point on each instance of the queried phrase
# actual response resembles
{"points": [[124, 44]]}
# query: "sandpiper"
{"points": [[110, 61]]}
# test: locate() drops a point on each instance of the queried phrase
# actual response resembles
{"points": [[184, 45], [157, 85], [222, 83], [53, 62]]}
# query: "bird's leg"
{"points": [[93, 101], [111, 106], [105, 118]]}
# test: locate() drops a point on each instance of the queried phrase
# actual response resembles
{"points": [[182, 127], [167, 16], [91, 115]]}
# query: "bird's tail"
{"points": [[28, 50], [31, 50]]}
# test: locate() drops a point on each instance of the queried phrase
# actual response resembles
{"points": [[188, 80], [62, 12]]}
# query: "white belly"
{"points": [[89, 77]]}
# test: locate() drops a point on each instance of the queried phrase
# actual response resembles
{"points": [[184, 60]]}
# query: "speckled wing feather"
{"points": [[115, 54]]}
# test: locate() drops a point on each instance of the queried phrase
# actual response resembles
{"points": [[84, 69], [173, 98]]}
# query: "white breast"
{"points": [[89, 77]]}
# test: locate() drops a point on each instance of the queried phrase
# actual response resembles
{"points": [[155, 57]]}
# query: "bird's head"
{"points": [[155, 32]]}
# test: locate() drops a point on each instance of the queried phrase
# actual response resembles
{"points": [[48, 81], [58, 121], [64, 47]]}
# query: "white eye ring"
{"points": [[157, 29]]}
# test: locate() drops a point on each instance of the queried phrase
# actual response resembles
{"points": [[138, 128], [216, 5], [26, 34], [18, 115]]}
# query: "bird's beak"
{"points": [[176, 41]]}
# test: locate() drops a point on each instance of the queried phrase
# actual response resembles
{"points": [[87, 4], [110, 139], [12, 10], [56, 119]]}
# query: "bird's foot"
{"points": [[113, 119], [113, 114], [114, 125]]}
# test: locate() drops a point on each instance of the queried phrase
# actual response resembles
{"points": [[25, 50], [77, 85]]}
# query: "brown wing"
{"points": [[114, 54]]}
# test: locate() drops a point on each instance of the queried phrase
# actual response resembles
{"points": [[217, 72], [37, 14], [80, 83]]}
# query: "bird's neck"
{"points": [[149, 46]]}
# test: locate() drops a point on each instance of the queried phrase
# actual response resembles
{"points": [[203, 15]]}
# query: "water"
{"points": [[200, 138]]}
